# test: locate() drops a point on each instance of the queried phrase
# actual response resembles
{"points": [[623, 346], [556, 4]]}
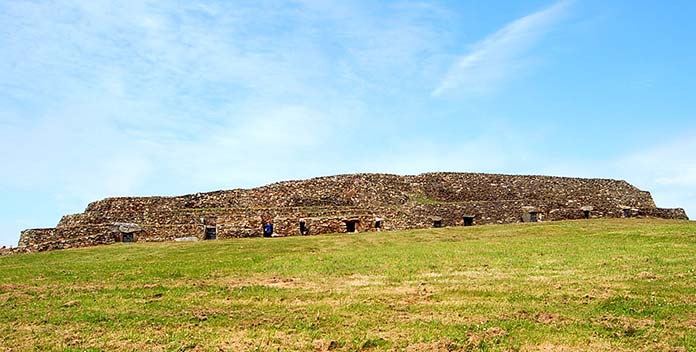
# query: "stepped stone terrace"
{"points": [[348, 203]]}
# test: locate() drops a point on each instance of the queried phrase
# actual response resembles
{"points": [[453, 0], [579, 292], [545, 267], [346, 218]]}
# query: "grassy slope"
{"points": [[585, 285]]}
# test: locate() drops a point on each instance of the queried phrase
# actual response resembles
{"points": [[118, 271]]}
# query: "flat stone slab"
{"points": [[129, 228], [186, 239]]}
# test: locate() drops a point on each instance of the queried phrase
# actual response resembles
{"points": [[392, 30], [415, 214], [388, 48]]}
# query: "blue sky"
{"points": [[101, 98]]}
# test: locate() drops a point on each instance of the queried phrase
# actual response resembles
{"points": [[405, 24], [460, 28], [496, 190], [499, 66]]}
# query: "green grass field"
{"points": [[561, 286]]}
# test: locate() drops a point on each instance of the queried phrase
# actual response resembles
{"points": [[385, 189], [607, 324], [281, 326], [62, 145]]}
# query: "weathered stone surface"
{"points": [[329, 204], [129, 228]]}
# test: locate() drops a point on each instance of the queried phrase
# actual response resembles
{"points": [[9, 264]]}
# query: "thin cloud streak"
{"points": [[498, 57]]}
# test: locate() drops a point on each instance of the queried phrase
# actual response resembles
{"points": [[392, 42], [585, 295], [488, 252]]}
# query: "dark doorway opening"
{"points": [[532, 216], [210, 233], [627, 213], [378, 224], [350, 226], [437, 221], [128, 237], [303, 228], [586, 213], [469, 220]]}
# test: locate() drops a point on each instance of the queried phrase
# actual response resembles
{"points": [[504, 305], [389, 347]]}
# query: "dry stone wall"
{"points": [[359, 202], [35, 240]]}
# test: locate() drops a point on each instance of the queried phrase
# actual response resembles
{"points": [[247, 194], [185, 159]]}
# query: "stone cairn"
{"points": [[347, 203]]}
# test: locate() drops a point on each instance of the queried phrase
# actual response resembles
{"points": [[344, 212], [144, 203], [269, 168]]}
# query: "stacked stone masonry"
{"points": [[359, 202]]}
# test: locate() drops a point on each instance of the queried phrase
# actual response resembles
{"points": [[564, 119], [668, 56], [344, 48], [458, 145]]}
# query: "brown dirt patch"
{"points": [[324, 345], [10, 287], [363, 280], [553, 347], [539, 317], [444, 345], [646, 275], [475, 340], [275, 281], [71, 304], [690, 324], [623, 326]]}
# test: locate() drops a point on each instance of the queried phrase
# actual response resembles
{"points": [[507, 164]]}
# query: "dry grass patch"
{"points": [[612, 285]]}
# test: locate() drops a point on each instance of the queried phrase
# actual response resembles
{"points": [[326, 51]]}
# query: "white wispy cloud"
{"points": [[107, 98], [493, 60]]}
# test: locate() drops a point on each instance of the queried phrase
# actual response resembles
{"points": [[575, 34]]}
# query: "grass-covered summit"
{"points": [[573, 285]]}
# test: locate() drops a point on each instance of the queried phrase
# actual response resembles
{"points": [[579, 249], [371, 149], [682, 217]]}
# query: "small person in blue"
{"points": [[268, 229]]}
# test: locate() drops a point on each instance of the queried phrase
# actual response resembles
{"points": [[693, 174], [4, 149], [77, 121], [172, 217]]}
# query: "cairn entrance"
{"points": [[352, 224], [468, 220], [587, 211], [126, 231], [210, 233], [437, 221], [530, 214]]}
